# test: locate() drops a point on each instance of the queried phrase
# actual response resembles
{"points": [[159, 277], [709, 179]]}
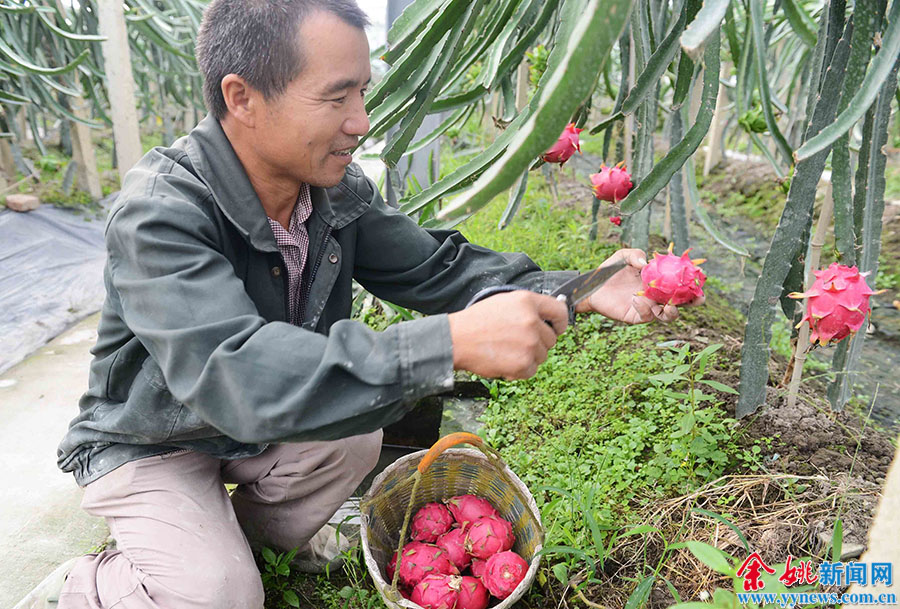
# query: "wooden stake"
{"points": [[815, 252], [714, 141]]}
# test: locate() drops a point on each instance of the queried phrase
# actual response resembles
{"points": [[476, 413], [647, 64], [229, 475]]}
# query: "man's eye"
{"points": [[338, 100]]}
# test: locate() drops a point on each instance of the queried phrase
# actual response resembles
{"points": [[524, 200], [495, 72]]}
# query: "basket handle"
{"points": [[446, 442]]}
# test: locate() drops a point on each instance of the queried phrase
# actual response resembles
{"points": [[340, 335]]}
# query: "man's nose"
{"points": [[358, 123]]}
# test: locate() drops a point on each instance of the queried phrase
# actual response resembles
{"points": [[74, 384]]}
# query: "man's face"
{"points": [[306, 133]]}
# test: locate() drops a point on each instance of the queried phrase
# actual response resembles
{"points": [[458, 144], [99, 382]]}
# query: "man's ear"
{"points": [[241, 99]]}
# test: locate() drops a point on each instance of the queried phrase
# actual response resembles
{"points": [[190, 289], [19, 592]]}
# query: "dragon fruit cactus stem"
{"points": [[489, 535], [466, 509], [436, 592], [671, 279], [430, 522], [503, 572], [837, 303]]}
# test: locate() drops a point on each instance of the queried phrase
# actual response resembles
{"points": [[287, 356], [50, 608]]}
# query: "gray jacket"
{"points": [[194, 351]]}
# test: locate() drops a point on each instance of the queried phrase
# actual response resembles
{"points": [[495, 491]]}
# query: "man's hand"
{"points": [[506, 335], [618, 299]]}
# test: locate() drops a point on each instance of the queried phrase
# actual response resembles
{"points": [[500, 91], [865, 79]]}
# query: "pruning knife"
{"points": [[570, 293]]}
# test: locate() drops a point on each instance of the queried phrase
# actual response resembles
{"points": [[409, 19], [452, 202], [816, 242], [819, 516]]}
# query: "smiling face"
{"points": [[306, 133]]}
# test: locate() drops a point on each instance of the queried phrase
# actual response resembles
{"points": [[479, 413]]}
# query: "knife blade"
{"points": [[577, 289]]}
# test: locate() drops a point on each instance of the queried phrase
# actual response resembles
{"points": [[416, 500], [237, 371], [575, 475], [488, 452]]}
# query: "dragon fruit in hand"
{"points": [[565, 146], [612, 183], [838, 301], [420, 559], [466, 509], [472, 593], [503, 573], [671, 279], [436, 592], [489, 535], [430, 522]]}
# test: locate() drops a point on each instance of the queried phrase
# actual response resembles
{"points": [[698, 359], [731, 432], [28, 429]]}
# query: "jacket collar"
{"points": [[218, 166]]}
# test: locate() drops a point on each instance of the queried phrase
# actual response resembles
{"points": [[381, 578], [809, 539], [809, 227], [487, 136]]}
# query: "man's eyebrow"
{"points": [[340, 85]]}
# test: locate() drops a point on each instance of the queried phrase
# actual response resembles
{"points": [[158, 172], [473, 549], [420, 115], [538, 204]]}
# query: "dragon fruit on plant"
{"points": [[453, 542], [503, 572], [671, 279], [489, 535], [466, 509], [430, 522], [565, 146], [420, 559], [617, 220], [612, 183], [436, 592], [472, 593], [838, 301]]}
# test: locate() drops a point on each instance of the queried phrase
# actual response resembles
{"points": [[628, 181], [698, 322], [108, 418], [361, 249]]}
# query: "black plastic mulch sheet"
{"points": [[51, 276]]}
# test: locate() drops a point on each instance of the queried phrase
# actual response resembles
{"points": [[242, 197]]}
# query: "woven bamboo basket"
{"points": [[443, 473]]}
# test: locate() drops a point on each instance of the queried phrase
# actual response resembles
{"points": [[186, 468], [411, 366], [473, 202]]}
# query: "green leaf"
{"points": [[283, 569], [269, 556], [560, 93], [641, 593], [561, 571], [876, 76], [704, 25], [346, 592], [719, 386], [837, 540], [685, 425], [800, 21], [291, 598], [713, 558], [726, 522], [640, 530]]}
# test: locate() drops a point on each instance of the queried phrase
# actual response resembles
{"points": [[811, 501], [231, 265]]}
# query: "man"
{"points": [[225, 353]]}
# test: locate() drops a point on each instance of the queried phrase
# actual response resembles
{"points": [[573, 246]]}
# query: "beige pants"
{"points": [[182, 542]]}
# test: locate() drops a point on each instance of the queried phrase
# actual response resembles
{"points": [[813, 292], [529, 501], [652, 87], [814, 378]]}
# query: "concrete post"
{"points": [[83, 152], [123, 107], [714, 141]]}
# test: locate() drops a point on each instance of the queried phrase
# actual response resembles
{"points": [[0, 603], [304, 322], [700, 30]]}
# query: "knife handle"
{"points": [[502, 289]]}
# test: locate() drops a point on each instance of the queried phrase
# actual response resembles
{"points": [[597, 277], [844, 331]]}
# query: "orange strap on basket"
{"points": [[446, 442]]}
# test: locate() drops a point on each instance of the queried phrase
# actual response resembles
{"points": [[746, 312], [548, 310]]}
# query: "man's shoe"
{"points": [[46, 594], [324, 551]]}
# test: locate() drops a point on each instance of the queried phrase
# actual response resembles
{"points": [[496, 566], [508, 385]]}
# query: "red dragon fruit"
{"points": [[436, 592], [503, 572], [472, 593], [671, 279], [489, 535], [466, 509], [430, 522], [612, 183], [453, 542], [420, 559], [477, 567], [565, 146], [838, 301]]}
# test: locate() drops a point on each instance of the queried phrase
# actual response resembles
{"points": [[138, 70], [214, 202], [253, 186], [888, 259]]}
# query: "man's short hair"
{"points": [[257, 40]]}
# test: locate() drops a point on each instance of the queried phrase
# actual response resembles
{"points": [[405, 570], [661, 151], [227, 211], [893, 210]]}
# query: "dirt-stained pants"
{"points": [[182, 542]]}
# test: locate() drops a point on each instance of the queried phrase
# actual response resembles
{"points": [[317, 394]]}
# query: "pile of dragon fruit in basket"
{"points": [[460, 555]]}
